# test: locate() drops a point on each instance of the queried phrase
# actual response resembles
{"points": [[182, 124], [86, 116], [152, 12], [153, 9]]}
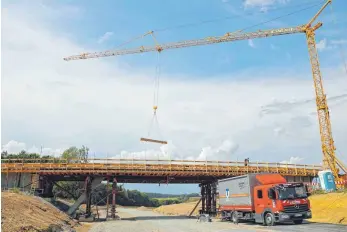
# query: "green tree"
{"points": [[74, 154], [83, 153], [70, 154]]}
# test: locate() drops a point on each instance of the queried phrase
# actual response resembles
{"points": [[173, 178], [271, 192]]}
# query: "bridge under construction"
{"points": [[140, 171], [42, 174]]}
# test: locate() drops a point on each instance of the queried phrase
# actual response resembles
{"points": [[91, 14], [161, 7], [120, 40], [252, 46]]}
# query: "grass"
{"points": [[329, 207], [193, 199], [168, 199]]}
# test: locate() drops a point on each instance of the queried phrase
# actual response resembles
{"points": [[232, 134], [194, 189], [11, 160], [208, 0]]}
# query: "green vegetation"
{"points": [[163, 195], [72, 154], [168, 199]]}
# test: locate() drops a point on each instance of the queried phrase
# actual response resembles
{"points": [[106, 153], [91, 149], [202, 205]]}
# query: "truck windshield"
{"points": [[292, 193]]}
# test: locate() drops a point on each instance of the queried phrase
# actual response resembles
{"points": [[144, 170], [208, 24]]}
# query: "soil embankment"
{"points": [[21, 212]]}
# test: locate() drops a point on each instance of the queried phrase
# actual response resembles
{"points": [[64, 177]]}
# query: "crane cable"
{"points": [[156, 96], [310, 4], [342, 51]]}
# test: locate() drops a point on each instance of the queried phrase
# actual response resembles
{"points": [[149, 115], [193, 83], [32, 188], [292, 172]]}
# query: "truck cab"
{"points": [[280, 203]]}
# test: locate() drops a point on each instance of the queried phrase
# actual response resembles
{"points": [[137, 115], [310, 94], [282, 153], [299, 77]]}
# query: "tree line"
{"points": [[72, 154]]}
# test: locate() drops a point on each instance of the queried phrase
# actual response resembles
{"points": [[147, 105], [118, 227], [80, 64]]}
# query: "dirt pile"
{"points": [[178, 209], [329, 208], [27, 213]]}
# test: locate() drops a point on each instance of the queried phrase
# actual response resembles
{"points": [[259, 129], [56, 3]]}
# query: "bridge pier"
{"points": [[208, 198], [47, 187], [87, 216], [113, 215]]}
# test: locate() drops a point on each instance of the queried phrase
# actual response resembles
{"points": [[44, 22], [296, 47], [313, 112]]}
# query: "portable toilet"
{"points": [[327, 181], [316, 183]]}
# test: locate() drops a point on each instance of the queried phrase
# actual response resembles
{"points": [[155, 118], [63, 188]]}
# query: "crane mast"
{"points": [[328, 148]]}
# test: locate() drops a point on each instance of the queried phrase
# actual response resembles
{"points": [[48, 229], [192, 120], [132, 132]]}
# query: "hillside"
{"points": [[27, 213]]}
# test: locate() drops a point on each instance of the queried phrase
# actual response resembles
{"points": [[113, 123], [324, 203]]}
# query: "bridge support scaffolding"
{"points": [[113, 215], [208, 198], [47, 187]]}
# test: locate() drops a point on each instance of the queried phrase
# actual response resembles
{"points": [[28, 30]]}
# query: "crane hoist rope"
{"points": [[342, 50], [154, 119]]}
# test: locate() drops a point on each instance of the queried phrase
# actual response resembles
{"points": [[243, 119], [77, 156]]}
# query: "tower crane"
{"points": [[327, 143]]}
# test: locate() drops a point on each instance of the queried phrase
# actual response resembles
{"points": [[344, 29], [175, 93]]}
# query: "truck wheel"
{"points": [[269, 219], [234, 218], [298, 221]]}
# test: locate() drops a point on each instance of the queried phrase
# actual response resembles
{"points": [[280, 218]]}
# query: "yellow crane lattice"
{"points": [[329, 158]]}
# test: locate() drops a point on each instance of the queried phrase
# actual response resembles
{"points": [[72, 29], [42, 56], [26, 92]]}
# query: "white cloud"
{"points": [[263, 4], [108, 108], [273, 47], [14, 147], [293, 160], [251, 43], [325, 45], [224, 151], [340, 41], [279, 131], [105, 37], [322, 45]]}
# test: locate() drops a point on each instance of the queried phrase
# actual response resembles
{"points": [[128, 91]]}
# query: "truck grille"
{"points": [[298, 208]]}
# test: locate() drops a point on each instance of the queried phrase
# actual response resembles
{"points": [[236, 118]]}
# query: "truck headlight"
{"points": [[309, 213], [285, 216]]}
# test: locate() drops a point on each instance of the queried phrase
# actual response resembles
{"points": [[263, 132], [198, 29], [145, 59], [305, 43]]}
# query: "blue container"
{"points": [[327, 180]]}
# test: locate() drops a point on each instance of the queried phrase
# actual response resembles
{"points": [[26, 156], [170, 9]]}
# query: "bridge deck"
{"points": [[137, 167]]}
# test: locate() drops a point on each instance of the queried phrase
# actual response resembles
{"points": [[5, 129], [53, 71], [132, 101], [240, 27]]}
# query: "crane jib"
{"points": [[236, 36]]}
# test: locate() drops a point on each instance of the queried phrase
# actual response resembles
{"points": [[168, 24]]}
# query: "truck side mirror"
{"points": [[271, 194]]}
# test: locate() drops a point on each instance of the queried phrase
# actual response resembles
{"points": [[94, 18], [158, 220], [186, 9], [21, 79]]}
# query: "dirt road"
{"points": [[147, 221]]}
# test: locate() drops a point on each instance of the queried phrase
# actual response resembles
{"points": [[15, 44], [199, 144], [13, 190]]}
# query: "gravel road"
{"points": [[135, 220]]}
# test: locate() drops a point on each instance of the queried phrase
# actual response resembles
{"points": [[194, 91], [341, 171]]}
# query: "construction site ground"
{"points": [[26, 213], [138, 220]]}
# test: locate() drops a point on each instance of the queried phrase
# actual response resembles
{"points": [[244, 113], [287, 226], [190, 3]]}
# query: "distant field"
{"points": [[162, 200], [166, 198], [193, 199]]}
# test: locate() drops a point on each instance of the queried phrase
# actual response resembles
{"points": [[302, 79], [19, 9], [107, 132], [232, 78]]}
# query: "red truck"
{"points": [[263, 198]]}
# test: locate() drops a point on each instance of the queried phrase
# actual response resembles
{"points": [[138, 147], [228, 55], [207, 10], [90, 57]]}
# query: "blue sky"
{"points": [[129, 19], [224, 101]]}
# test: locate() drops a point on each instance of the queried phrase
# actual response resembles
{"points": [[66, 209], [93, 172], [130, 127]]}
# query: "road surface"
{"points": [[136, 220]]}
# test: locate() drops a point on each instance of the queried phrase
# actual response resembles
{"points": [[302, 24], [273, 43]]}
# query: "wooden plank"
{"points": [[153, 140]]}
